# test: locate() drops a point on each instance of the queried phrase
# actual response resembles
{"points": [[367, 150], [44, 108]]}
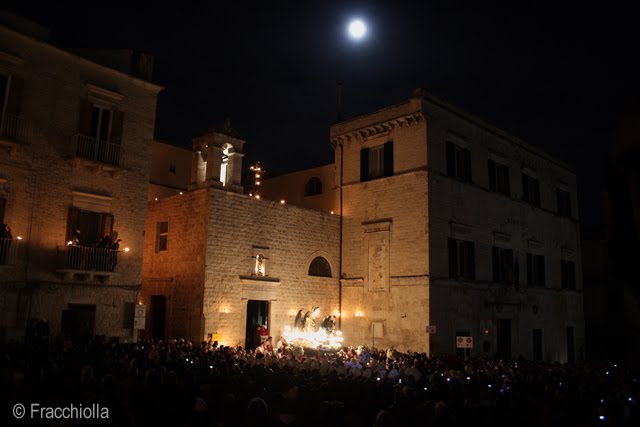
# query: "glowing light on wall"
{"points": [[359, 314]]}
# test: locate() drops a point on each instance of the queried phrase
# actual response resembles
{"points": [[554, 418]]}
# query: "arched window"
{"points": [[319, 267], [313, 187]]}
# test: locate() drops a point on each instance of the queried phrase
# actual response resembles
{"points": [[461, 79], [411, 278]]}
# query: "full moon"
{"points": [[357, 29]]}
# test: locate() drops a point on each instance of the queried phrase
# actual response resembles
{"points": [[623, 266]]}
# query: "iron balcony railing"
{"points": [[87, 258], [9, 250], [98, 150], [16, 128]]}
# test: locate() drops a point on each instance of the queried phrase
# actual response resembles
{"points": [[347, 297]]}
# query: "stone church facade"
{"points": [[219, 262]]}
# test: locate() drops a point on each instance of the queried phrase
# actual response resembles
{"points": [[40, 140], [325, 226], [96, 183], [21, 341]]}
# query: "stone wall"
{"points": [[42, 173], [240, 227], [177, 273], [291, 189], [391, 214]]}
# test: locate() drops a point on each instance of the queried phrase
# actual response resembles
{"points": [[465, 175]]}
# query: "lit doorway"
{"points": [[257, 315]]}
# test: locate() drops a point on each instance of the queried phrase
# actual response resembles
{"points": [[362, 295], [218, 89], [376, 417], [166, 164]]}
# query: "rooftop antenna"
{"points": [[339, 114]]}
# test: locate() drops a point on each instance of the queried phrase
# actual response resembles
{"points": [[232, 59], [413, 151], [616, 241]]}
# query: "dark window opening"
{"points": [[505, 266], [313, 187], [162, 236], [376, 162], [564, 202], [499, 178], [458, 162], [535, 271], [568, 275], [320, 267], [530, 190], [93, 226], [462, 260]]}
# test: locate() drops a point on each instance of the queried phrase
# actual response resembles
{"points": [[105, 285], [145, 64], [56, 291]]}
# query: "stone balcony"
{"points": [[87, 263], [14, 131]]}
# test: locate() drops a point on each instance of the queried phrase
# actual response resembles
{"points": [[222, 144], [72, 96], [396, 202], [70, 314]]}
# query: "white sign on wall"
{"points": [[140, 316], [464, 342]]}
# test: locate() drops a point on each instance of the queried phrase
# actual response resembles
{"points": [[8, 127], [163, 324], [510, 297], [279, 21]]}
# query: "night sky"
{"points": [[558, 77]]}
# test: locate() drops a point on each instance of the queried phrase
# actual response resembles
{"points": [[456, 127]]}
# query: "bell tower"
{"points": [[217, 159]]}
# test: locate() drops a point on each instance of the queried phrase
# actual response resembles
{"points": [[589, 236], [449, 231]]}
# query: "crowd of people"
{"points": [[178, 383]]}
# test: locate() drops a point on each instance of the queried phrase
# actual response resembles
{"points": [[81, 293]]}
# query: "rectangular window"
{"points": [[568, 275], [499, 178], [11, 88], [458, 162], [162, 234], [462, 259], [99, 133], [504, 268], [535, 271], [530, 190], [376, 162], [564, 202], [92, 226]]}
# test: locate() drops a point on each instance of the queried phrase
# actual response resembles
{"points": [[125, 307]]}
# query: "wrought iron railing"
{"points": [[9, 250], [87, 258], [16, 128], [98, 150]]}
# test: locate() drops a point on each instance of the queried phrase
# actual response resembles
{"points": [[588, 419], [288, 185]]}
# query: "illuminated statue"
{"points": [[298, 324], [309, 323]]}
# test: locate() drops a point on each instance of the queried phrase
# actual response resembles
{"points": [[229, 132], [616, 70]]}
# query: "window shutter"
{"points": [[453, 258], [107, 225], [572, 275], [492, 175], [116, 127], [495, 253], [84, 117], [536, 192], [388, 158], [543, 278], [471, 260], [451, 160], [563, 274], [73, 222], [529, 270], [509, 273], [364, 165], [507, 184], [467, 165], [14, 98], [525, 188]]}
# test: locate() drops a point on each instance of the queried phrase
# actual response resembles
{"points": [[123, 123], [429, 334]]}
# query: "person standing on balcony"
{"points": [[114, 254], [5, 242]]}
